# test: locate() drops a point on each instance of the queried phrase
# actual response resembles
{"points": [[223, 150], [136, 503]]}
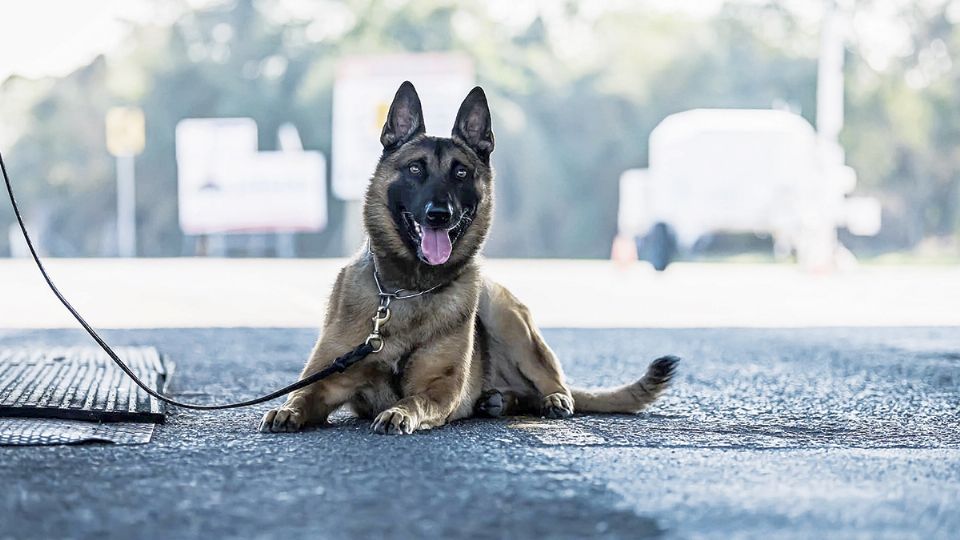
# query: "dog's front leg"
{"points": [[433, 384], [312, 404]]}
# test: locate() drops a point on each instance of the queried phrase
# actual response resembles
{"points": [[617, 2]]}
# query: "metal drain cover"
{"points": [[51, 431], [80, 383]]}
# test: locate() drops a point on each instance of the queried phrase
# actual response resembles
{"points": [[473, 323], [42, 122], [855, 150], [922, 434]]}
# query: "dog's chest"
{"points": [[411, 320]]}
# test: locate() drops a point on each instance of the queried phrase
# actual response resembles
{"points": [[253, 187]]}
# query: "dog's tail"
{"points": [[632, 397]]}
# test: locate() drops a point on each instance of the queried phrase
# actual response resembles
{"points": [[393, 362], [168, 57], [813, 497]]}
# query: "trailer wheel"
{"points": [[661, 246]]}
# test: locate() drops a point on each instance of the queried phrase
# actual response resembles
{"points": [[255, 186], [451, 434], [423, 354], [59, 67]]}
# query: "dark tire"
{"points": [[661, 246]]}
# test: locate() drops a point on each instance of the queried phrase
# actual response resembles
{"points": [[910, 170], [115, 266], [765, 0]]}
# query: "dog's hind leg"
{"points": [[495, 403], [515, 339]]}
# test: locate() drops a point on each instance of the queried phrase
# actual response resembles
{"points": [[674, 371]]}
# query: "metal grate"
{"points": [[50, 431], [80, 383]]}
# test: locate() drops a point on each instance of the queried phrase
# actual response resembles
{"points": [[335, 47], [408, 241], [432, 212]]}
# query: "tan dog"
{"points": [[465, 347]]}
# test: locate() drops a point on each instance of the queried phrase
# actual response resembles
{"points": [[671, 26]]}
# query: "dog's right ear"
{"points": [[405, 119]]}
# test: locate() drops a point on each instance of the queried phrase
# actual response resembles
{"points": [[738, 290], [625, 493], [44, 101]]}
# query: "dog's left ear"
{"points": [[405, 119], [473, 124]]}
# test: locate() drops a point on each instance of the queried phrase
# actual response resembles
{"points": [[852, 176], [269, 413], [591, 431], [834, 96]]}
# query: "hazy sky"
{"points": [[53, 37]]}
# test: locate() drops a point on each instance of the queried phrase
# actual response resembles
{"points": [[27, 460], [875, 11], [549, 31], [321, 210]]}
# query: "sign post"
{"points": [[126, 136]]}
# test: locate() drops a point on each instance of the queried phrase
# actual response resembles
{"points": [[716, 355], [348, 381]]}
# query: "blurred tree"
{"points": [[902, 132]]}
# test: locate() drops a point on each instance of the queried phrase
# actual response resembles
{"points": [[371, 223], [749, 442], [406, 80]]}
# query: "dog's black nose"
{"points": [[439, 215]]}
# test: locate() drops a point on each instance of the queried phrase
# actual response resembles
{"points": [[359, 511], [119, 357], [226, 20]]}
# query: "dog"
{"points": [[467, 346]]}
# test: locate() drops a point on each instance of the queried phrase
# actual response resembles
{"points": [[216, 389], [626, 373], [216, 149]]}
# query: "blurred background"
{"points": [[790, 133]]}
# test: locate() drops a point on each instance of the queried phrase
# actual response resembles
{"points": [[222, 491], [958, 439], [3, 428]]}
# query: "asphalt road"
{"points": [[833, 433]]}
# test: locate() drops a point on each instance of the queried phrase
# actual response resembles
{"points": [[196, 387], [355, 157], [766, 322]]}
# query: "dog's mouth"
{"points": [[435, 244]]}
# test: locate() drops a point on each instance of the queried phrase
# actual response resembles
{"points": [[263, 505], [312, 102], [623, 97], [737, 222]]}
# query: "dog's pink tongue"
{"points": [[435, 245]]}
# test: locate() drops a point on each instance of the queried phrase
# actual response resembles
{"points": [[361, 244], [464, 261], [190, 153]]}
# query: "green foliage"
{"points": [[903, 133], [575, 92]]}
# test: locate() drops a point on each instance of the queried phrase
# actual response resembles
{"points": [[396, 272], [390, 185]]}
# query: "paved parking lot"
{"points": [[817, 433]]}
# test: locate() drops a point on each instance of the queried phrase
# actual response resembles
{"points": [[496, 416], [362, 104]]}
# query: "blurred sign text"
{"points": [[362, 93], [227, 186]]}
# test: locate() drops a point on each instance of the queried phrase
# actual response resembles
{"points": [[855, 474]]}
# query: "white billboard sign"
{"points": [[226, 185], [362, 92]]}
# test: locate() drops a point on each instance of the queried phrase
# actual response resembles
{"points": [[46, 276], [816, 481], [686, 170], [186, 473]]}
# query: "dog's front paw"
{"points": [[557, 405], [286, 418], [394, 421]]}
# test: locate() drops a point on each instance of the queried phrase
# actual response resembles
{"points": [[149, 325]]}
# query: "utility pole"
{"points": [[819, 246], [126, 207], [125, 139], [830, 79]]}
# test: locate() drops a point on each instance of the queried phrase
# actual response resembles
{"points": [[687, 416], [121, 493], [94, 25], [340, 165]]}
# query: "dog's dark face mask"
{"points": [[435, 185]]}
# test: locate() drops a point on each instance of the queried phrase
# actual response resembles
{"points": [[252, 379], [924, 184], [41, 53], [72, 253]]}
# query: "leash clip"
{"points": [[380, 319], [375, 341]]}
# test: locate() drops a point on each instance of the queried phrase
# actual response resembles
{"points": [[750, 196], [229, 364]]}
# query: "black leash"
{"points": [[338, 366]]}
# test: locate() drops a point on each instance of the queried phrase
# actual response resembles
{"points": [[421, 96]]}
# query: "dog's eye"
{"points": [[415, 169], [461, 172]]}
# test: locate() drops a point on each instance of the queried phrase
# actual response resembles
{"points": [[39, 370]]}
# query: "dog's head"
{"points": [[430, 200]]}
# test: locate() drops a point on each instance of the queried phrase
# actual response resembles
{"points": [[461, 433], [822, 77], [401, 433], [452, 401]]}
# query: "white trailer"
{"points": [[742, 170]]}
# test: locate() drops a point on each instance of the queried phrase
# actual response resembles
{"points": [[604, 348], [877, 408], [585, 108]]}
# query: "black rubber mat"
{"points": [[80, 384], [49, 431]]}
